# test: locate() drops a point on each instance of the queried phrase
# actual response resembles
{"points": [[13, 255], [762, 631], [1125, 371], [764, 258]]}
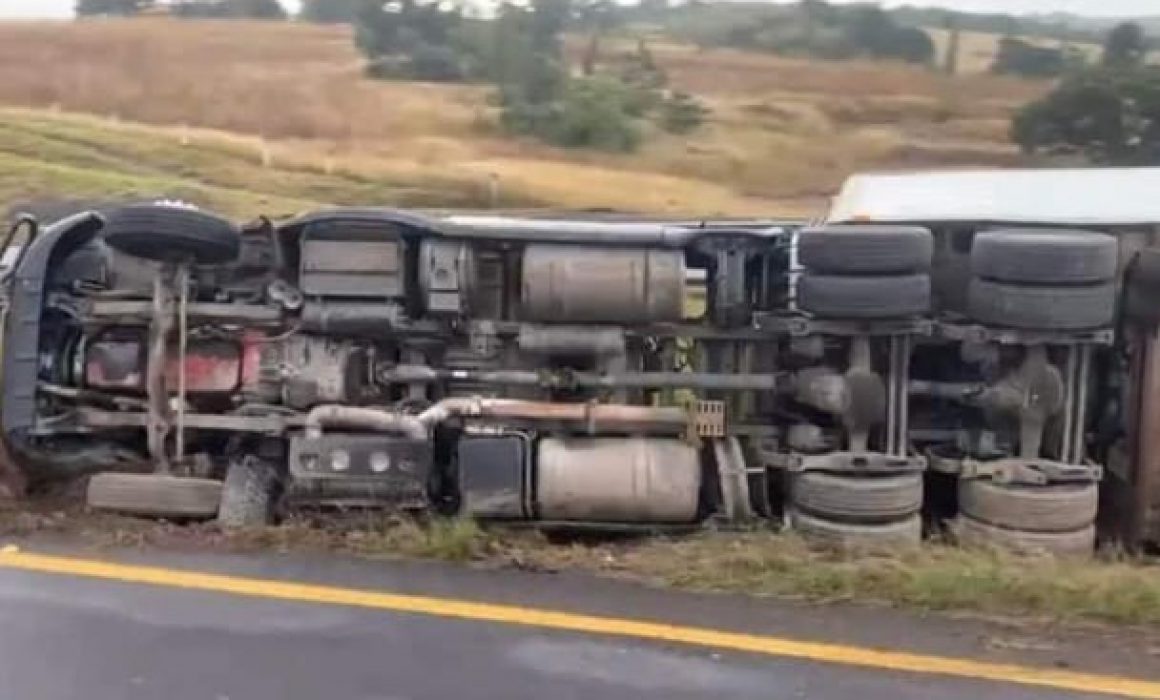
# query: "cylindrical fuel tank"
{"points": [[617, 480], [581, 284]]}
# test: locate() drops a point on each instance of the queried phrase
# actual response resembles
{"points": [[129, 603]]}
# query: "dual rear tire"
{"points": [[857, 511], [860, 272], [1057, 519], [1047, 280]]}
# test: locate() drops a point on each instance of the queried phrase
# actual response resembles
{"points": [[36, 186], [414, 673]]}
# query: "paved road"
{"points": [[68, 637]]}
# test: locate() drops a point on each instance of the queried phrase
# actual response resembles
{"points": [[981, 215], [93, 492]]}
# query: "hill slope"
{"points": [[258, 117]]}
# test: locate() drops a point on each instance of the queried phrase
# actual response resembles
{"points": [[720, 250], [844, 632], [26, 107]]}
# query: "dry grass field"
{"points": [[255, 116]]}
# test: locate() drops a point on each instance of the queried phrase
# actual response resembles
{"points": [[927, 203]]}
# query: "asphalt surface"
{"points": [[67, 637]]}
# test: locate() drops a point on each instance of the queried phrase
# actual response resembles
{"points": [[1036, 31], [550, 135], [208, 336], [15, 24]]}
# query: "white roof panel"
{"points": [[1091, 196]]}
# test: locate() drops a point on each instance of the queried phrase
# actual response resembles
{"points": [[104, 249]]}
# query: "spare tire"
{"points": [[864, 297], [903, 533], [1076, 543], [1042, 256], [1042, 308], [866, 250], [169, 233], [1053, 508], [861, 499], [154, 495]]}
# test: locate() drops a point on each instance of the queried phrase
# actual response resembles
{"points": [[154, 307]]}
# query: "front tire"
{"points": [[249, 494]]}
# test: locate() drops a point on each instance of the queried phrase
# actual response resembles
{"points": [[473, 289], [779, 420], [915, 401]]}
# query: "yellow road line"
{"points": [[571, 622]]}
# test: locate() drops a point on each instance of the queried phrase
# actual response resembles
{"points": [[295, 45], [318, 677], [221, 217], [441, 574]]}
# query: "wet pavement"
{"points": [[75, 636]]}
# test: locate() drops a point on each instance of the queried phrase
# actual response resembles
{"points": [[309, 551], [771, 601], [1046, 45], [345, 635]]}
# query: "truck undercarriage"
{"points": [[839, 379]]}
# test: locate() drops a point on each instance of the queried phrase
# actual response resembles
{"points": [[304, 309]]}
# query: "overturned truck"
{"points": [[971, 348]]}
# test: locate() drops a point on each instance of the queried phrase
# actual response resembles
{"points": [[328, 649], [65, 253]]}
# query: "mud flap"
{"points": [[13, 483], [734, 478]]}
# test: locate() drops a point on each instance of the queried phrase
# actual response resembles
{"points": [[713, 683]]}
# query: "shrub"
{"points": [[681, 113], [591, 113], [1109, 116], [1018, 57]]}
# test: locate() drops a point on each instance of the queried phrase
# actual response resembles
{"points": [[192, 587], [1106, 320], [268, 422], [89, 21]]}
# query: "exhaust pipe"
{"points": [[593, 416]]}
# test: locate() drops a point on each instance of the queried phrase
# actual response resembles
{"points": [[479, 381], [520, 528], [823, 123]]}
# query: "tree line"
{"points": [[236, 9], [1106, 113], [611, 103]]}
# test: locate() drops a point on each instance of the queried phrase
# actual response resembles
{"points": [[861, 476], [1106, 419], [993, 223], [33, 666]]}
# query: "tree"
{"points": [[407, 39], [1125, 46], [1110, 116], [331, 11], [950, 64], [120, 8], [230, 9], [256, 9], [597, 18], [1018, 57]]}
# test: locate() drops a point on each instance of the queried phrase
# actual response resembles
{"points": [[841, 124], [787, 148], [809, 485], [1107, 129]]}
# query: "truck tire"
{"points": [[248, 494], [153, 495], [1076, 543], [168, 233], [1042, 308], [903, 533], [861, 500], [1054, 508], [1051, 257], [1142, 287], [865, 297], [866, 250]]}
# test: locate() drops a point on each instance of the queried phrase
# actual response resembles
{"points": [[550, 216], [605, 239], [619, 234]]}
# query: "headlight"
{"points": [[380, 462]]}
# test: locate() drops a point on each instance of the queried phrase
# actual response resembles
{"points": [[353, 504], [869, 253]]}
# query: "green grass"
{"points": [[1110, 589], [56, 155], [937, 576]]}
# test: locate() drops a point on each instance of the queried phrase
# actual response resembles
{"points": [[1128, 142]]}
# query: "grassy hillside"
{"points": [[254, 117]]}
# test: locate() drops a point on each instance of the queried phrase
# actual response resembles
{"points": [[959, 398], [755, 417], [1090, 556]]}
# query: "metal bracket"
{"points": [[708, 419], [734, 477], [855, 462], [800, 325], [969, 332], [1030, 472]]}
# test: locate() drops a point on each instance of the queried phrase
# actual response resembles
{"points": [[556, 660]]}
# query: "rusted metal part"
{"points": [[357, 418], [212, 366], [595, 417], [130, 312], [261, 424]]}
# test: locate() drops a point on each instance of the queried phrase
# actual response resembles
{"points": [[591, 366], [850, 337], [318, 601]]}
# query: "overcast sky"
{"points": [[1099, 8]]}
